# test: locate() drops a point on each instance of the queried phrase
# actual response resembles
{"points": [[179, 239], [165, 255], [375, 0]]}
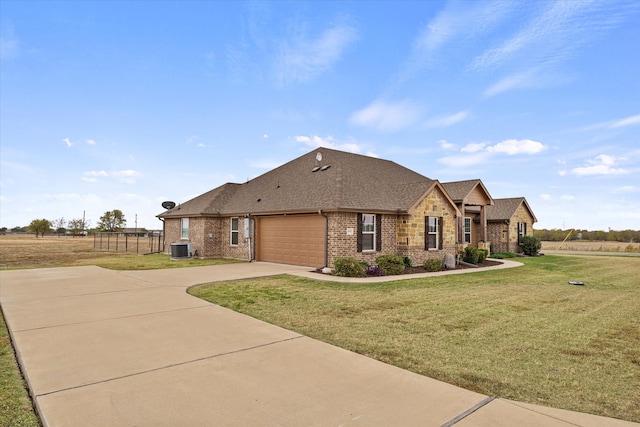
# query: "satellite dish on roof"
{"points": [[168, 205], [319, 157]]}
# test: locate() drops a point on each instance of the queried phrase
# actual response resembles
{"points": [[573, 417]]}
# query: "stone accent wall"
{"points": [[411, 229], [504, 237]]}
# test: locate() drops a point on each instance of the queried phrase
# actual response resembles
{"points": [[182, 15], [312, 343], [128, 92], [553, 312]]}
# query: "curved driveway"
{"points": [[132, 348]]}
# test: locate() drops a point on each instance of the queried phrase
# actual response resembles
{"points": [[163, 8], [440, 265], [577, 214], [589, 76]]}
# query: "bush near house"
{"points": [[530, 245], [433, 264], [390, 264], [503, 255], [348, 267], [470, 255]]}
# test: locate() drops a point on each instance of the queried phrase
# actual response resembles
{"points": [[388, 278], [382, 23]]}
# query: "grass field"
{"points": [[522, 334], [592, 246], [31, 252]]}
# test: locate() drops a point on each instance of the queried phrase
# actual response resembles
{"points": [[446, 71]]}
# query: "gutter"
{"points": [[326, 237]]}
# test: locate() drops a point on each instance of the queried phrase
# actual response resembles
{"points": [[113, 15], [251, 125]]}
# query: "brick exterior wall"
{"points": [[211, 237], [400, 234], [504, 237], [343, 237]]}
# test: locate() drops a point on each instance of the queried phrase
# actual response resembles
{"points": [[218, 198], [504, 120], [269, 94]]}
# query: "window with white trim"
{"points": [[467, 230], [433, 232], [368, 232], [184, 228], [235, 224]]}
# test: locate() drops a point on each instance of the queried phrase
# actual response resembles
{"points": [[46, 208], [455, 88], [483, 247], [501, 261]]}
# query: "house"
{"points": [[507, 221], [472, 199], [323, 205]]}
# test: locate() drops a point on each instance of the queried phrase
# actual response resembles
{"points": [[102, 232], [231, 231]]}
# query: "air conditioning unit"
{"points": [[181, 250]]}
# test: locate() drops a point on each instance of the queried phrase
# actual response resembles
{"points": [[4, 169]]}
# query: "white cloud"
{"points": [[265, 136], [629, 121], [446, 121], [201, 145], [386, 116], [545, 196], [302, 59], [91, 142], [567, 197], [616, 124], [68, 142], [473, 147], [601, 165], [625, 189], [517, 146], [446, 145], [520, 80]]}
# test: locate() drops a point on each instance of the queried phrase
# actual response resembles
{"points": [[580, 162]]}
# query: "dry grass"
{"points": [[592, 246], [31, 252], [523, 333]]}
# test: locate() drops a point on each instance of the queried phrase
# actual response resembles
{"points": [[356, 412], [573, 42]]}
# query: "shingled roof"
{"points": [[459, 190], [504, 209], [340, 181]]}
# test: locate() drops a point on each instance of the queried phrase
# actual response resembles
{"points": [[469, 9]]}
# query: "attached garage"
{"points": [[291, 239]]}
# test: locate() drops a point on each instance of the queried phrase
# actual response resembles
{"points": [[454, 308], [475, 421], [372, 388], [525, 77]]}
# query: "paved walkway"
{"points": [[115, 348]]}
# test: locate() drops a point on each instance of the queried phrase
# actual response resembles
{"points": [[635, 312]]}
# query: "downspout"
{"points": [[251, 233], [508, 235], [326, 237], [163, 234]]}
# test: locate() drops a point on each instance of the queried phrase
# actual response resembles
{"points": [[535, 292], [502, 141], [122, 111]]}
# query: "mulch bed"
{"points": [[420, 269]]}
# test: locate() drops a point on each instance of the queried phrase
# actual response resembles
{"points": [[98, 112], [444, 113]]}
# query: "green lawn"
{"points": [[15, 405], [522, 333]]}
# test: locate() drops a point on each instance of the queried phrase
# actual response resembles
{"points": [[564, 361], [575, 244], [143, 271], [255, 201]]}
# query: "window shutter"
{"points": [[359, 232], [426, 233], [441, 233], [379, 233]]}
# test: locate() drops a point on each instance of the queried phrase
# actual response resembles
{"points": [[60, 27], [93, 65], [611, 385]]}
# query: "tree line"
{"points": [[556, 235], [113, 220]]}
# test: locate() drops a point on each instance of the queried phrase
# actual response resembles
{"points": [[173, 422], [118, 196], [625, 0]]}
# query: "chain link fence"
{"points": [[144, 243]]}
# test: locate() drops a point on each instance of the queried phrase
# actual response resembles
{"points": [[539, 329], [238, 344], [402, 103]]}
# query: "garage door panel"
{"points": [[298, 240]]}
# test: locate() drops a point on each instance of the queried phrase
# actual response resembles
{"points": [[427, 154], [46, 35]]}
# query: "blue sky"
{"points": [[122, 105]]}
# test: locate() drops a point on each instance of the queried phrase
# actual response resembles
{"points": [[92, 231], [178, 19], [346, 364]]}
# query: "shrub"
{"points": [[374, 270], [433, 264], [482, 255], [348, 267], [407, 261], [470, 255], [390, 264], [530, 245]]}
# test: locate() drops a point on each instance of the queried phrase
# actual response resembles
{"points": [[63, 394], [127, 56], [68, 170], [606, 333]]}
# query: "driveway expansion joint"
{"points": [[172, 365], [468, 412]]}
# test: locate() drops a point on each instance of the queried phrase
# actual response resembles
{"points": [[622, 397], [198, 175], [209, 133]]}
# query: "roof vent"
{"points": [[325, 167], [315, 169]]}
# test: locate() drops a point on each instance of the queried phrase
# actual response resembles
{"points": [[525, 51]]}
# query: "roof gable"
{"points": [[504, 209], [470, 192]]}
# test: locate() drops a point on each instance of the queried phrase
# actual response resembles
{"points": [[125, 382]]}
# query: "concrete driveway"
{"points": [[116, 348]]}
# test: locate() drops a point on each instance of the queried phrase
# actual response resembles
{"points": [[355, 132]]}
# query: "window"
{"points": [[467, 230], [433, 233], [368, 232], [234, 231], [184, 228], [522, 230]]}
